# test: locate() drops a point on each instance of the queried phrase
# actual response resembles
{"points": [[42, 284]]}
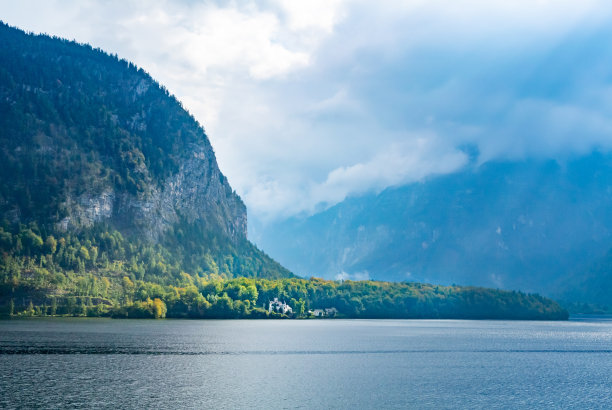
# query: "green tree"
{"points": [[160, 308], [83, 308], [30, 310], [50, 245], [53, 306], [84, 253], [93, 254], [32, 241], [299, 307]]}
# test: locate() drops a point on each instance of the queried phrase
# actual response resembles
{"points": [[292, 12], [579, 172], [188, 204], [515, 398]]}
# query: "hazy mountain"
{"points": [[537, 225]]}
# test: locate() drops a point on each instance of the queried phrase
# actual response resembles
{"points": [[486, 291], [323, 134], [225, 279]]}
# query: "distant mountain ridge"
{"points": [[534, 225]]}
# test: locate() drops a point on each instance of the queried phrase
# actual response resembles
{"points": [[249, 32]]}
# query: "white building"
{"points": [[317, 312], [331, 312], [279, 307]]}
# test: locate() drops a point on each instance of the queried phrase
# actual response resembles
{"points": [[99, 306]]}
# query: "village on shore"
{"points": [[284, 309]]}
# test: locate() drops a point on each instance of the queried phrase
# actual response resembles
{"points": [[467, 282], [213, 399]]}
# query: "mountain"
{"points": [[98, 158], [112, 204], [535, 225]]}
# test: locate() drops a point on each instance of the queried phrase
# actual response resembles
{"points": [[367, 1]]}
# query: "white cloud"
{"points": [[313, 14], [544, 128], [308, 102], [398, 163], [354, 276]]}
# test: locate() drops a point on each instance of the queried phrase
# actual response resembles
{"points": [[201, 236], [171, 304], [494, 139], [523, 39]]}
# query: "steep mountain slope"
{"points": [[590, 285], [90, 144], [514, 225]]}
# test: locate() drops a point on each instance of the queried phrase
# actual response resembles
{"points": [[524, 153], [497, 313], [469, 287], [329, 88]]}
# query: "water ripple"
{"points": [[104, 350]]}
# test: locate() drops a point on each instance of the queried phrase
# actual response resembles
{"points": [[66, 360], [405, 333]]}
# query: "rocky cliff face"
{"points": [[87, 138], [197, 192]]}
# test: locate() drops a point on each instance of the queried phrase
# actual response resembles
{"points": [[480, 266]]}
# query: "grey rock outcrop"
{"points": [[197, 192]]}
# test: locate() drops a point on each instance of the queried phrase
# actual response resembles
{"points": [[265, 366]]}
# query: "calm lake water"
{"points": [[68, 363]]}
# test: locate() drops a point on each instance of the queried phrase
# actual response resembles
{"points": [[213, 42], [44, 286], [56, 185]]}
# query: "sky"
{"points": [[308, 102]]}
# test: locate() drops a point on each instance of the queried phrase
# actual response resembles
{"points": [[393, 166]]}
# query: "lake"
{"points": [[309, 364]]}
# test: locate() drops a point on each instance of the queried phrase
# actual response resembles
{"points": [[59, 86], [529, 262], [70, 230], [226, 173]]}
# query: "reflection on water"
{"points": [[305, 364]]}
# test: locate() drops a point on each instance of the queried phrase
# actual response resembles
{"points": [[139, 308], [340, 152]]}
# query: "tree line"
{"points": [[100, 273]]}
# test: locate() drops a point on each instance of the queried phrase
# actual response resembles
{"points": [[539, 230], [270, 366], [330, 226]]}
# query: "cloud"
{"points": [[216, 38], [399, 163], [313, 14], [354, 276], [307, 103]]}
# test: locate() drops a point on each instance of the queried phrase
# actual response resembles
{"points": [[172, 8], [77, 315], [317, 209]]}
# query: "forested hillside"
{"points": [[102, 172], [38, 292]]}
